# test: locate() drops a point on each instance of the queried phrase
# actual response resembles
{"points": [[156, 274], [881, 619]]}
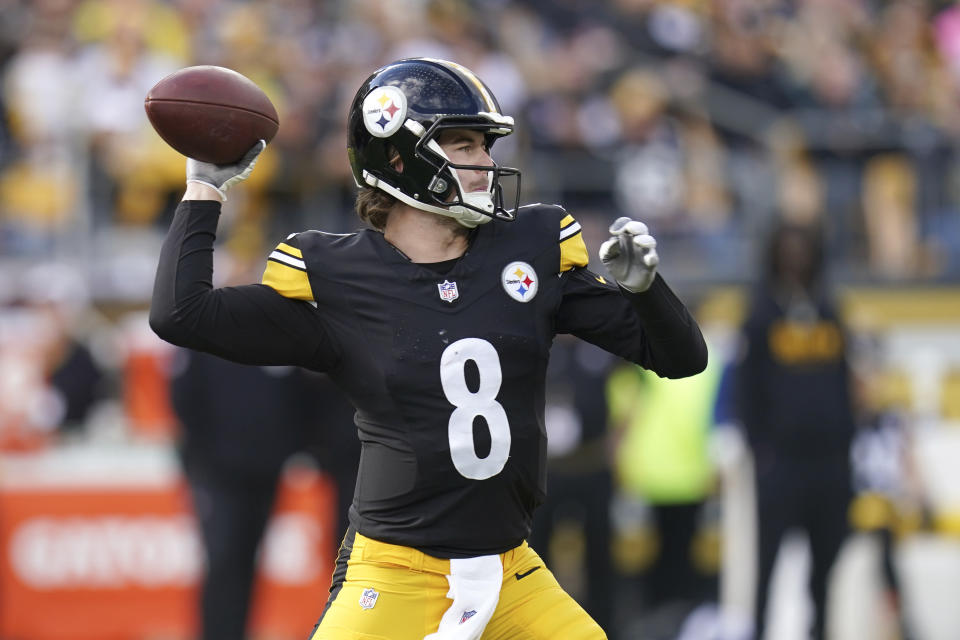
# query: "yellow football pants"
{"points": [[392, 592]]}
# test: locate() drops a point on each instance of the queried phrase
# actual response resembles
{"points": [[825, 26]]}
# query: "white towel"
{"points": [[475, 589]]}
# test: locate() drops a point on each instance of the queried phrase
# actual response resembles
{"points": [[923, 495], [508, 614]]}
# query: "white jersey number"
{"points": [[471, 404]]}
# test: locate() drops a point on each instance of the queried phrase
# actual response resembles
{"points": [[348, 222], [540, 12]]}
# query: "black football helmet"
{"points": [[405, 105]]}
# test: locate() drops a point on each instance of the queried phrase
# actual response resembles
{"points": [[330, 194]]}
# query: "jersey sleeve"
{"points": [[286, 271], [652, 329], [573, 251]]}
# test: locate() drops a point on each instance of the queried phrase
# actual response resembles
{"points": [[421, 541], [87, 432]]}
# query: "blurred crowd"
{"points": [[711, 121], [706, 119]]}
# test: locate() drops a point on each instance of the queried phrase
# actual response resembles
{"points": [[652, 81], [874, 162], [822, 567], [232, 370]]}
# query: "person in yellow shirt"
{"points": [[662, 457]]}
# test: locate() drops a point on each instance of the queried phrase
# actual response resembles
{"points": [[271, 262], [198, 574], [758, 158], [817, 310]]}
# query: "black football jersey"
{"points": [[447, 371]]}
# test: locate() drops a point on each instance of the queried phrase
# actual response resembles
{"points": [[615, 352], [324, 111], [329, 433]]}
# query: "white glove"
{"points": [[223, 176], [630, 255]]}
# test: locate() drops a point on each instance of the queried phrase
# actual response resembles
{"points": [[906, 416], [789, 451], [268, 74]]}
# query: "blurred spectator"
{"points": [[890, 217], [794, 401], [662, 458], [49, 378], [40, 187], [131, 172], [72, 372], [669, 165], [883, 505], [240, 425], [887, 503], [579, 480], [38, 83]]}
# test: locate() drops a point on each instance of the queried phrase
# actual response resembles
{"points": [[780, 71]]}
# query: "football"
{"points": [[209, 113]]}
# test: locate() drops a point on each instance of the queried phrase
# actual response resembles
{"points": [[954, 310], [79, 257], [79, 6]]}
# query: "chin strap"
{"points": [[466, 217]]}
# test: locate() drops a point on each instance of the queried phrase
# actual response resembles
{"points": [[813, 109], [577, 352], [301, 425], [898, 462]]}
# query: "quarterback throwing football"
{"points": [[437, 323]]}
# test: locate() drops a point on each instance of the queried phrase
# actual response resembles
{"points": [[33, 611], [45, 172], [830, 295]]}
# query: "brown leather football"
{"points": [[212, 114]]}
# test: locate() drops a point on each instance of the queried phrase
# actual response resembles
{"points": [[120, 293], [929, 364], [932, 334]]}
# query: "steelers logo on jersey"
{"points": [[519, 280], [384, 110]]}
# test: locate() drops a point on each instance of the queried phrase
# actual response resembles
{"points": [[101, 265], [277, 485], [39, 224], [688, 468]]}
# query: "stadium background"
{"points": [[707, 120]]}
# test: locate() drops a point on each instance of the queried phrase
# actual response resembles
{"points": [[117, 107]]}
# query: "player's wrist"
{"points": [[200, 190], [638, 282], [633, 287]]}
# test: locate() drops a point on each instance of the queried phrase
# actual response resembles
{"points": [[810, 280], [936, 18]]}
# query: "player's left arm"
{"points": [[648, 325]]}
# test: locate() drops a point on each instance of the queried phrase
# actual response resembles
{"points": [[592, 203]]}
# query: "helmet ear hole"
{"points": [[438, 185]]}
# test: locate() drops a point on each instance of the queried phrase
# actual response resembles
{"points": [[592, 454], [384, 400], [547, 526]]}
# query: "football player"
{"points": [[437, 323]]}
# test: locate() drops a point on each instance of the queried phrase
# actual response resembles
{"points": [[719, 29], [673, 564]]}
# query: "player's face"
{"points": [[466, 146]]}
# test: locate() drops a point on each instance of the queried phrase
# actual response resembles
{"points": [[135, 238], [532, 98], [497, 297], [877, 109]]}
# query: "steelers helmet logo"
{"points": [[384, 110], [520, 281]]}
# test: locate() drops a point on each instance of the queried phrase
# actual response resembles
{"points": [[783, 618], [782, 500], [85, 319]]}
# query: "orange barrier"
{"points": [[146, 381], [122, 562]]}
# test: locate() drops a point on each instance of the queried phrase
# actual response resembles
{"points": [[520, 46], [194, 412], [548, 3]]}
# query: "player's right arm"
{"points": [[250, 324]]}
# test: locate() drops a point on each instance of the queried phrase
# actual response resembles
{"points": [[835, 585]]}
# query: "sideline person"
{"points": [[793, 389]]}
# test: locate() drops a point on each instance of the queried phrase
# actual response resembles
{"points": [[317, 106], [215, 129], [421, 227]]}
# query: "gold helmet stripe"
{"points": [[491, 104]]}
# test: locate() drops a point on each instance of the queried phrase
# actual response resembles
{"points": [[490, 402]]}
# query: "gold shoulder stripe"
{"points": [[567, 219], [287, 280], [573, 252], [296, 253]]}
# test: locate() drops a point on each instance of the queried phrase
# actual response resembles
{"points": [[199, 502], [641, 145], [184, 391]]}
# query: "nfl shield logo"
{"points": [[448, 291], [368, 598], [467, 615]]}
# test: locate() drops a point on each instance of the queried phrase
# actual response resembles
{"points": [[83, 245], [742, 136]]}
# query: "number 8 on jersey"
{"points": [[470, 404]]}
